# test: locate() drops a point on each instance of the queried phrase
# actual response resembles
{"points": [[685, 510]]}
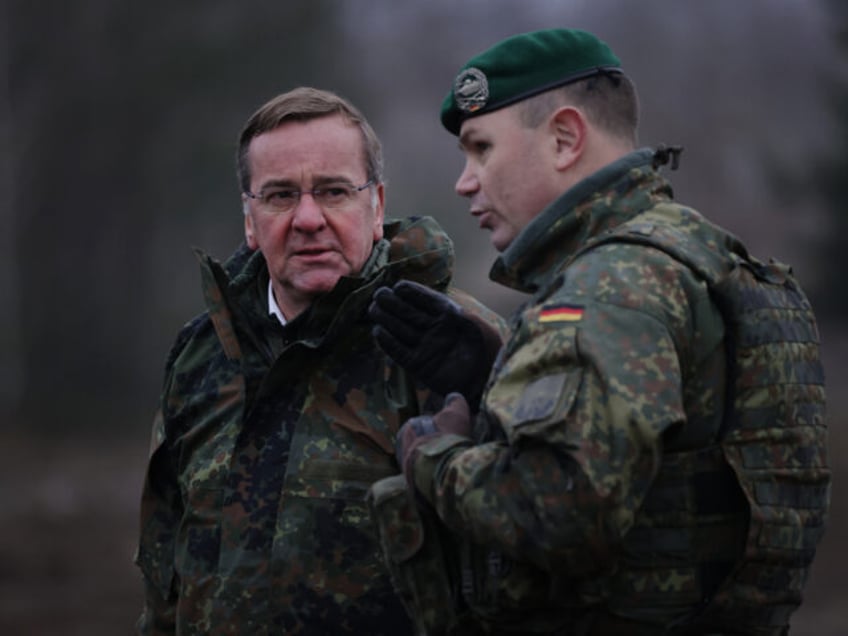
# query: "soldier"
{"points": [[650, 452], [278, 410]]}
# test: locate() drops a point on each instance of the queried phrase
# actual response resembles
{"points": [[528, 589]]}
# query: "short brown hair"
{"points": [[609, 101], [303, 104]]}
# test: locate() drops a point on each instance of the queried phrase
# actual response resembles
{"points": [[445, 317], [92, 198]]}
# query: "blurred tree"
{"points": [[830, 177], [10, 385], [74, 88]]}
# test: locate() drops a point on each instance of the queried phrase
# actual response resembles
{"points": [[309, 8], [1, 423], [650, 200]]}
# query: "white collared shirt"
{"points": [[273, 307]]}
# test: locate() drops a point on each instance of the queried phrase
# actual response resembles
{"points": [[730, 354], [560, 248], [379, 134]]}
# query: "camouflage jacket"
{"points": [[573, 494], [253, 518]]}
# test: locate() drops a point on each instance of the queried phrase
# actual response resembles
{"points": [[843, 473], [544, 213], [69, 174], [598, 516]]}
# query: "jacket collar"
{"points": [[603, 200], [415, 248]]}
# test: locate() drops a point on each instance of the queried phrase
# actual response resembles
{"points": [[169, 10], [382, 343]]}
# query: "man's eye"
{"points": [[333, 192], [276, 196], [480, 147]]}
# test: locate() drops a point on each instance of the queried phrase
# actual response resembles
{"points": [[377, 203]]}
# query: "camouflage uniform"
{"points": [[595, 493], [253, 517]]}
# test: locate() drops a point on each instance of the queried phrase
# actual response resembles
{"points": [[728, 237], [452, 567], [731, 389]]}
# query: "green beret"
{"points": [[522, 66]]}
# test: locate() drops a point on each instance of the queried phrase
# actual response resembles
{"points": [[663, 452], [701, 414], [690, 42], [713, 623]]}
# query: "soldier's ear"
{"points": [[568, 127]]}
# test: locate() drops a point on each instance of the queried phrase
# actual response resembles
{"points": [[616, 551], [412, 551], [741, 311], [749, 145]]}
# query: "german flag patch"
{"points": [[561, 313]]}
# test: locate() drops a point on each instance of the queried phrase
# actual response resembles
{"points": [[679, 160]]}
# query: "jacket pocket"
{"points": [[417, 550]]}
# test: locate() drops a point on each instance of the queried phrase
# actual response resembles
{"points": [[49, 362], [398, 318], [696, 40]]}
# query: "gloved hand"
{"points": [[434, 339], [455, 418]]}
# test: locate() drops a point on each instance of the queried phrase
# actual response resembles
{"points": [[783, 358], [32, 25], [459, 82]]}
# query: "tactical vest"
{"points": [[768, 463], [773, 438]]}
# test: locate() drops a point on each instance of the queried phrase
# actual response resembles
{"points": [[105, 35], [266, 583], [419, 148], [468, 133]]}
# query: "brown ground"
{"points": [[67, 535]]}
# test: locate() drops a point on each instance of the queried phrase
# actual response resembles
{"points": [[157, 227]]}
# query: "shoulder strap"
{"points": [[211, 274], [680, 245]]}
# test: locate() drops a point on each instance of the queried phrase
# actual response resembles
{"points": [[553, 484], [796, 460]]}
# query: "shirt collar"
{"points": [[273, 307]]}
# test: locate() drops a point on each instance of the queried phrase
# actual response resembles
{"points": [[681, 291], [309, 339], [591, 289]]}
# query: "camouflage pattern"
{"points": [[422, 557], [604, 492], [253, 516]]}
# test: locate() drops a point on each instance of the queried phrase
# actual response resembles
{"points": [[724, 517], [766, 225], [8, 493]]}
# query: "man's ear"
{"points": [[249, 236], [568, 125], [379, 203]]}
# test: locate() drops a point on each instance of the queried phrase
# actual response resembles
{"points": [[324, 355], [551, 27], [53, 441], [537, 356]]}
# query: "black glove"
{"points": [[429, 335]]}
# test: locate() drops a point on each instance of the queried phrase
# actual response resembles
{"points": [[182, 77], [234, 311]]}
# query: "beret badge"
{"points": [[471, 90]]}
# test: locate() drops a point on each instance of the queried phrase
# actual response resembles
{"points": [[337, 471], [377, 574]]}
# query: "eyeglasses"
{"points": [[331, 196]]}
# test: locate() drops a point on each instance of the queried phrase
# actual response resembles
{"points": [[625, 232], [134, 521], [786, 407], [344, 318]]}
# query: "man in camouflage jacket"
{"points": [[253, 517], [617, 481]]}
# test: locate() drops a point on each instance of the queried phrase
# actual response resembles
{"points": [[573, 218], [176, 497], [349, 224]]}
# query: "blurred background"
{"points": [[118, 124]]}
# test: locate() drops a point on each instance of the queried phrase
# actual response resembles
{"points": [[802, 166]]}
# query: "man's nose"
{"points": [[467, 183], [308, 215]]}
